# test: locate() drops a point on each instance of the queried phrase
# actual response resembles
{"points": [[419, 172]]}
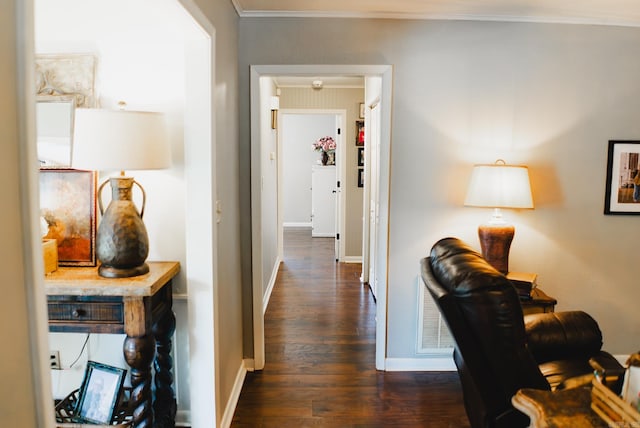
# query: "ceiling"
{"points": [[598, 12]]}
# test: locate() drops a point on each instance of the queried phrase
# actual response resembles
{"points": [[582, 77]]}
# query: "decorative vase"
{"points": [[325, 158]]}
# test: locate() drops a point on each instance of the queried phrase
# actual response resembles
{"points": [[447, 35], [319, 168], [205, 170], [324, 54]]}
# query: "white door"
{"points": [[374, 203], [323, 201]]}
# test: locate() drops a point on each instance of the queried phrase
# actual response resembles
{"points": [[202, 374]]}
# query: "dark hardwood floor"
{"points": [[320, 351]]}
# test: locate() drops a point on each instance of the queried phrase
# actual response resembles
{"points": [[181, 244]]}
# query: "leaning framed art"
{"points": [[622, 194], [68, 214]]}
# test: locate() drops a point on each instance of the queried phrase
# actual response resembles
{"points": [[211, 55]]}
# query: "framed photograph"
{"points": [[99, 393], [359, 132], [622, 194], [68, 214], [360, 156], [360, 177], [361, 110]]}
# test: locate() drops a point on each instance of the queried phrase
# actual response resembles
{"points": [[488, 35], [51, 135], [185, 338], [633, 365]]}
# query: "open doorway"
{"points": [[378, 86], [310, 193]]}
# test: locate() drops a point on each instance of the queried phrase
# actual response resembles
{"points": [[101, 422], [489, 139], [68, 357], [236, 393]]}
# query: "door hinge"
{"points": [[338, 184], [338, 236], [338, 131]]}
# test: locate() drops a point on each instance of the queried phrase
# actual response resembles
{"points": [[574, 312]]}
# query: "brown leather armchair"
{"points": [[498, 351]]}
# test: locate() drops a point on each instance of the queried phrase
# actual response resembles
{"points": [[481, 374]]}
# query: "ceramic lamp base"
{"points": [[495, 242]]}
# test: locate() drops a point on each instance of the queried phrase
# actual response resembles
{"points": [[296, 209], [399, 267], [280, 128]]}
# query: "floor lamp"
{"points": [[498, 186]]}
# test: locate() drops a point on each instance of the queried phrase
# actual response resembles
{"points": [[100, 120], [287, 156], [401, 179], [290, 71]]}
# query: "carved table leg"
{"points": [[165, 402], [139, 353]]}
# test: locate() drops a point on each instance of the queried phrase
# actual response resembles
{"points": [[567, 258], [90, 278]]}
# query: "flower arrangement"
{"points": [[324, 144]]}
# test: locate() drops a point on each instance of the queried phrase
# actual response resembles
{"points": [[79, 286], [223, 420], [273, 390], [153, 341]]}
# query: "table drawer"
{"points": [[98, 314]]}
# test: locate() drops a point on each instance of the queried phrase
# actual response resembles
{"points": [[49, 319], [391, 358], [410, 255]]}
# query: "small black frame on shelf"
{"points": [[99, 394]]}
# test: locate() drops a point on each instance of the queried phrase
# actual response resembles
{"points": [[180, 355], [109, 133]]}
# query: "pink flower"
{"points": [[325, 144]]}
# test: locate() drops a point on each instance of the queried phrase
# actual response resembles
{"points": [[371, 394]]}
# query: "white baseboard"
{"points": [[296, 225], [352, 259], [323, 235], [183, 418], [230, 408], [432, 364], [270, 285]]}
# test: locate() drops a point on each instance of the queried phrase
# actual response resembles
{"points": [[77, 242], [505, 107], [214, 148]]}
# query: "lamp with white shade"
{"points": [[498, 186], [108, 140]]}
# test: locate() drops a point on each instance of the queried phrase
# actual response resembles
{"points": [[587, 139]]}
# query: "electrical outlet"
{"points": [[54, 360]]}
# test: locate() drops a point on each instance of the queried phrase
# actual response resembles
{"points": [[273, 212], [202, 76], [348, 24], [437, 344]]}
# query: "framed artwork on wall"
{"points": [[360, 156], [361, 110], [622, 194], [359, 132], [68, 214], [360, 177]]}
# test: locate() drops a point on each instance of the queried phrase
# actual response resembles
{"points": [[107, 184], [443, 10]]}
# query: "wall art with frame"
{"points": [[360, 177], [68, 213], [359, 132], [99, 394], [622, 194], [360, 156]]}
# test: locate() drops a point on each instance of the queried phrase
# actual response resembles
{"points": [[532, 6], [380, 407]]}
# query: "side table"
{"points": [[540, 302], [79, 300]]}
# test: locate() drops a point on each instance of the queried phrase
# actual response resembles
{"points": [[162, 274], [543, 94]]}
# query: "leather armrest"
{"points": [[562, 335]]}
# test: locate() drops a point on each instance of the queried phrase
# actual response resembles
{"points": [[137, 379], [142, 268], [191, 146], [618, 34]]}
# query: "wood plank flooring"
{"points": [[320, 351]]}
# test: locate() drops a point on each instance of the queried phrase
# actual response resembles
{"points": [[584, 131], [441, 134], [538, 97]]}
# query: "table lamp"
{"points": [[498, 186], [105, 140]]}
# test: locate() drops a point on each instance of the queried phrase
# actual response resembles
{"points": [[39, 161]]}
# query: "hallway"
{"points": [[320, 355]]}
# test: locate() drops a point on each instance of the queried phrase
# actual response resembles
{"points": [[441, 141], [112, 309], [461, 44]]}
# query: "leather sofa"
{"points": [[497, 349]]}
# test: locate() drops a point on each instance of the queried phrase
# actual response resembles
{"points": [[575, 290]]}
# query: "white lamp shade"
{"points": [[499, 186], [120, 140]]}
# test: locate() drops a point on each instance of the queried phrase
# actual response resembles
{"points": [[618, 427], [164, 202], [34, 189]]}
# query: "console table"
{"points": [[79, 300]]}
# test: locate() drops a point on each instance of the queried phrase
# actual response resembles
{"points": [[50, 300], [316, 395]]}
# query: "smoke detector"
{"points": [[316, 84]]}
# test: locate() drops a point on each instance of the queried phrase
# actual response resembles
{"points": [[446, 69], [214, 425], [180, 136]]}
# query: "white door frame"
{"points": [[257, 71], [340, 174]]}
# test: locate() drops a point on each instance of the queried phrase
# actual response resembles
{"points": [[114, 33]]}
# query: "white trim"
{"points": [[432, 17], [352, 259], [323, 235], [436, 363], [201, 231], [230, 408], [183, 418], [272, 283], [293, 225], [385, 73]]}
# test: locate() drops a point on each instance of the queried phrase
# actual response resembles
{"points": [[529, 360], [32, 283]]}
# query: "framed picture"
{"points": [[360, 177], [359, 132], [99, 393], [361, 110], [68, 214], [360, 156], [622, 194]]}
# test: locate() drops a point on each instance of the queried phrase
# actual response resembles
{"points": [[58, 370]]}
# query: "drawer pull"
{"points": [[77, 313]]}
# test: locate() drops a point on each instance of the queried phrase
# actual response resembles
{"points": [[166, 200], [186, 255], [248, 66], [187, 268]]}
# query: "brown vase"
{"points": [[325, 158]]}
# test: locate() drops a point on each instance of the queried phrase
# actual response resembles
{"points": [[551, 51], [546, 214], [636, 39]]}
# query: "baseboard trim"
{"points": [[272, 283], [323, 235], [352, 259], [183, 418], [232, 403], [296, 225], [432, 364]]}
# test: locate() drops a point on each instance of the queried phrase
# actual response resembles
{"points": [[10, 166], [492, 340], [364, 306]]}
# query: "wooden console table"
{"points": [[540, 302], [141, 307]]}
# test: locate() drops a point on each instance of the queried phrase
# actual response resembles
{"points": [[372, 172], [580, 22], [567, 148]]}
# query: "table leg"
{"points": [[139, 353], [165, 402]]}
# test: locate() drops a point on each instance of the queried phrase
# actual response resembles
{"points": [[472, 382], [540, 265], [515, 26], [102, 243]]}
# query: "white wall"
{"points": [[299, 131], [549, 96]]}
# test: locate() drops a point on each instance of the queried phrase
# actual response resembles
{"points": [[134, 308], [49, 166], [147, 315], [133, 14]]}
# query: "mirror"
{"points": [[54, 130]]}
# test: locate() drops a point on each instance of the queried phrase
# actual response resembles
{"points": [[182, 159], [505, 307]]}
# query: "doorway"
{"points": [[377, 84], [309, 194]]}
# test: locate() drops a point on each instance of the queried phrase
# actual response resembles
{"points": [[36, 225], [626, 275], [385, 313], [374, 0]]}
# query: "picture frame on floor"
{"points": [[99, 393], [622, 194]]}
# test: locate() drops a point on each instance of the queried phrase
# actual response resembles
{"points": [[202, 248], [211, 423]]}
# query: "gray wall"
{"points": [[549, 96]]}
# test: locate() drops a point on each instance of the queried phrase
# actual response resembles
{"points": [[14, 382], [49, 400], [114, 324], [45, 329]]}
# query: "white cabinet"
{"points": [[323, 201]]}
